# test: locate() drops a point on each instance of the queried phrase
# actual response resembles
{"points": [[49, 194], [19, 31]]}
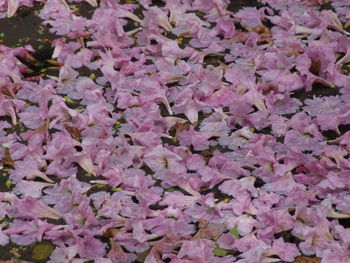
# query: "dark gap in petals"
{"points": [[345, 222], [266, 130], [134, 199], [170, 35], [344, 128], [149, 61], [56, 221], [87, 72], [287, 237], [130, 25], [239, 27], [158, 3], [218, 195], [170, 141], [330, 135], [318, 90], [258, 182], [163, 110], [216, 61], [172, 84], [146, 169], [327, 6], [83, 9], [236, 5], [78, 148], [154, 239], [157, 207], [53, 130]]}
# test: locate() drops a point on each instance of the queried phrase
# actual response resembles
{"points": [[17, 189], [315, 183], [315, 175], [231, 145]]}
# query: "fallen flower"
{"points": [[30, 208]]}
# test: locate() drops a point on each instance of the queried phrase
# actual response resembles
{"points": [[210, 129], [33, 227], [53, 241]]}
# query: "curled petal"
{"points": [[32, 208], [92, 2], [12, 6]]}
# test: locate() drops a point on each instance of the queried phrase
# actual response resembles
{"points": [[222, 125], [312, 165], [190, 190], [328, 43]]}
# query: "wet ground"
{"points": [[25, 28]]}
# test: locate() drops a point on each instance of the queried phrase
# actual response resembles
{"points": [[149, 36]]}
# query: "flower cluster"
{"points": [[199, 135]]}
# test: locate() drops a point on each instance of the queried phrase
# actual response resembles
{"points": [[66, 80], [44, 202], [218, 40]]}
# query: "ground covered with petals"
{"points": [[180, 131]]}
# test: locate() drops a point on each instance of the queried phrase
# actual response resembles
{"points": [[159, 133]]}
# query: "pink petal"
{"points": [[12, 6]]}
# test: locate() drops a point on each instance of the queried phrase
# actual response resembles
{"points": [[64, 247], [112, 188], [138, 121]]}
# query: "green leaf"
{"points": [[116, 126], [100, 185], [80, 107], [8, 183], [42, 251], [220, 252], [234, 231], [200, 14]]}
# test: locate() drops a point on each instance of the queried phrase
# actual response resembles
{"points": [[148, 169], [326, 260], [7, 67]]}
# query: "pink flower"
{"points": [[25, 232], [249, 16], [238, 139], [155, 17], [117, 253], [227, 165], [200, 250], [344, 47], [236, 187], [90, 247], [210, 176], [225, 27], [278, 125], [244, 223], [184, 103], [344, 140], [30, 188], [206, 208], [317, 239], [29, 168], [178, 199], [335, 255], [283, 185], [199, 140], [226, 240], [286, 251], [304, 135], [63, 253], [4, 239], [161, 158], [67, 194], [85, 162], [151, 90], [81, 216], [195, 162], [31, 208], [216, 123], [127, 241], [282, 104], [272, 222], [260, 253]]}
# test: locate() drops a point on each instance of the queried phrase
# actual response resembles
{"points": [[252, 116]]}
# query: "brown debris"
{"points": [[43, 127], [7, 160], [73, 131], [305, 259]]}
